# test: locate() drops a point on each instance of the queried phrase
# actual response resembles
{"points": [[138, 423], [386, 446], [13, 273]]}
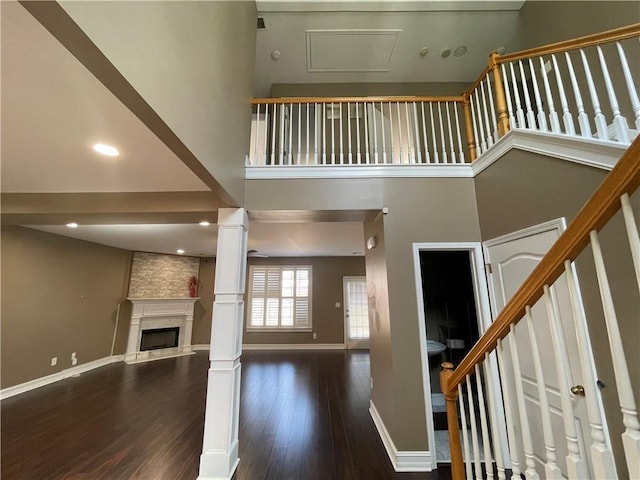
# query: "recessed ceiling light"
{"points": [[204, 223], [179, 251], [275, 54], [107, 150], [500, 50], [72, 225], [445, 53], [424, 51], [461, 50]]}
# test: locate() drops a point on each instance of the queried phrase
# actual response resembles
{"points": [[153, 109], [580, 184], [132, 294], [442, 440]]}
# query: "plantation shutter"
{"points": [[279, 297]]}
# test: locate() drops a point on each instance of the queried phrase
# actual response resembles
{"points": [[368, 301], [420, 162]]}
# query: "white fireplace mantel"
{"points": [[152, 313]]}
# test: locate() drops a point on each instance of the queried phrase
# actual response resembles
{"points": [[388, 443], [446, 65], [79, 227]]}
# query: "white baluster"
{"points": [[601, 456], [619, 122], [307, 133], [358, 153], [290, 153], [450, 128], [333, 135], [410, 153], [531, 119], [255, 135], [465, 434], [424, 135], [516, 93], [401, 160], [631, 87], [631, 435], [349, 129], [541, 116], [496, 134], [281, 149], [493, 417], [507, 94], [583, 119], [384, 148], [366, 138], [416, 134], [509, 416], [553, 115], [460, 150], [475, 127], [599, 119], [486, 443], [567, 119], [375, 130], [299, 131], [480, 125], [527, 443], [393, 160], [632, 233], [551, 469], [474, 431], [486, 116], [324, 134], [341, 140], [576, 466], [433, 134], [266, 135], [442, 143], [318, 130]]}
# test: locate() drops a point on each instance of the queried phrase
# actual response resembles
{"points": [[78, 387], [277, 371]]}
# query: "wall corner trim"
{"points": [[293, 346], [402, 461], [55, 377]]}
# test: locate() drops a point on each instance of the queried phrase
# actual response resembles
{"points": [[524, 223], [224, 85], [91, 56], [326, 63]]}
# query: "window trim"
{"points": [[288, 328]]}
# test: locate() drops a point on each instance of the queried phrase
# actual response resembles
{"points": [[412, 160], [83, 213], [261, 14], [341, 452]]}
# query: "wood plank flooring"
{"points": [[303, 416]]}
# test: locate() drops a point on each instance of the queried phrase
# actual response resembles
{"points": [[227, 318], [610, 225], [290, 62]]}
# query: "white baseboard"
{"points": [[55, 377], [201, 347], [293, 346], [402, 461]]}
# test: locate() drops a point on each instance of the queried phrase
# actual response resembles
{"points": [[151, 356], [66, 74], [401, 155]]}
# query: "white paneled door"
{"points": [[356, 312], [512, 258]]}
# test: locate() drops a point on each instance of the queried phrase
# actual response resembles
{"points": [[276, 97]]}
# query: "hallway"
{"points": [[303, 416]]}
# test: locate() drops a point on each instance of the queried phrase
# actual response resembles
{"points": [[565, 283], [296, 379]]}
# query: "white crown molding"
{"points": [[585, 151], [402, 461], [55, 377], [293, 346], [452, 170]]}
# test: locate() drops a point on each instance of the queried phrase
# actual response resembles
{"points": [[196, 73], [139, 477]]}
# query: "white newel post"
{"points": [[219, 457]]}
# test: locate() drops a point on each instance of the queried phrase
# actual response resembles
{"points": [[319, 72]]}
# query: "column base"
{"points": [[219, 466]]}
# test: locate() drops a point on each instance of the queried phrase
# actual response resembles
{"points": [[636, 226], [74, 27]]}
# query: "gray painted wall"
{"points": [[524, 189]]}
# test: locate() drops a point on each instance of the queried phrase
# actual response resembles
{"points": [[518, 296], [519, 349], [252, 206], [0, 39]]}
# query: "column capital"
{"points": [[230, 217]]}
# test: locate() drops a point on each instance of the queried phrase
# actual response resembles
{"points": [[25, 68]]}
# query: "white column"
{"points": [[219, 457]]}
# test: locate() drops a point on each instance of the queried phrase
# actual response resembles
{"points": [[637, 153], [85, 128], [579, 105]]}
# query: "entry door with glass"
{"points": [[356, 312]]}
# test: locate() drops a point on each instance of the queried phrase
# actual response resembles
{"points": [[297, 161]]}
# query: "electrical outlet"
{"points": [[54, 361], [337, 304], [315, 336], [74, 358]]}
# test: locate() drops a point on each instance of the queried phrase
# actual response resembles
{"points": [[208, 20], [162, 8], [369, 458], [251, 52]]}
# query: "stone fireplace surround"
{"points": [[152, 313]]}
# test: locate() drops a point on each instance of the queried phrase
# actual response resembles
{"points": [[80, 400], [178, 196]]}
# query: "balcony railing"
{"points": [[583, 88]]}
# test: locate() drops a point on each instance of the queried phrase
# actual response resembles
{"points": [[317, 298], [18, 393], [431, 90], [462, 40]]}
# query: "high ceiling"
{"points": [[54, 109]]}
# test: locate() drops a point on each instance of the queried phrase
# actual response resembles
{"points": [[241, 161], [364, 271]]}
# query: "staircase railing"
{"points": [[589, 80], [488, 356]]}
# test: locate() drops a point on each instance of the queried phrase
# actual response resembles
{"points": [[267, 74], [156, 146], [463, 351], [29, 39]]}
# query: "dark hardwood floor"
{"points": [[303, 416]]}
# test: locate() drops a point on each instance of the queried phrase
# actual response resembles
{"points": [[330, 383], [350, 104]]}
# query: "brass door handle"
{"points": [[578, 390]]}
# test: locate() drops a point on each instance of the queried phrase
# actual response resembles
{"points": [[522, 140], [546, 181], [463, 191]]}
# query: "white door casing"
{"points": [[512, 258], [354, 293]]}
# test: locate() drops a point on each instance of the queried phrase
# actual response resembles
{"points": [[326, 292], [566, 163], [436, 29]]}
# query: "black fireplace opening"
{"points": [[159, 338]]}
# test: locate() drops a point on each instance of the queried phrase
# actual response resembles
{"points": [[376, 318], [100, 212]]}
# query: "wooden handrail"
{"points": [[603, 204], [296, 100], [609, 36], [480, 78]]}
